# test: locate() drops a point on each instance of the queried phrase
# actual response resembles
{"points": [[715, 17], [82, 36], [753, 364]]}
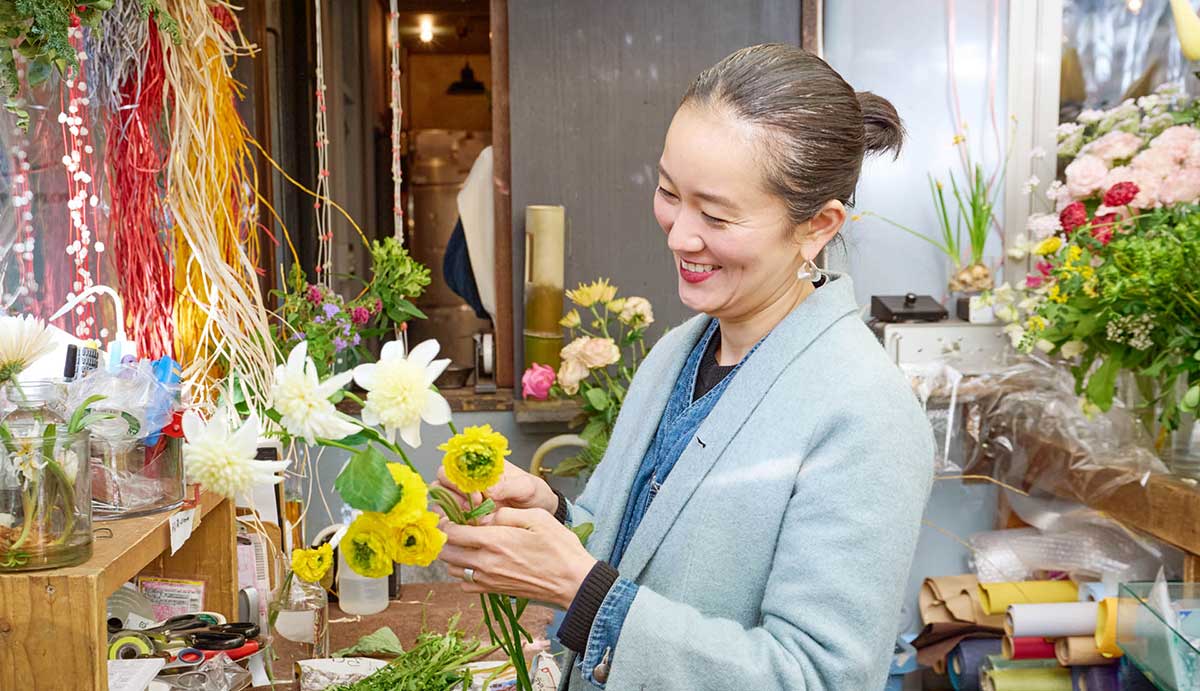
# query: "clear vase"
{"points": [[45, 484], [1183, 453], [1147, 401], [299, 612]]}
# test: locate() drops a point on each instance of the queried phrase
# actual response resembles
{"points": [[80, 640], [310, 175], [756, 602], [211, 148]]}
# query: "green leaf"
{"points": [[38, 72], [383, 642], [598, 398], [76, 424], [594, 428], [571, 467], [366, 484], [583, 532], [1085, 327], [1103, 382]]}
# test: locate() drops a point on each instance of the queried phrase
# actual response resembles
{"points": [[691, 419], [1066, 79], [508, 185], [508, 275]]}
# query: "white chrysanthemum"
{"points": [[223, 460], [302, 400], [400, 393], [22, 341]]}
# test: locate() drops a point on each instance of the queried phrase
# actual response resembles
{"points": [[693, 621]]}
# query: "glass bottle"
{"points": [[545, 236], [360, 594], [300, 613]]}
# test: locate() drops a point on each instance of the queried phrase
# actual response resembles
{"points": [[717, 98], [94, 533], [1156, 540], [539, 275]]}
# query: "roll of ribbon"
{"points": [[1095, 591], [1106, 627], [1103, 678], [1079, 651], [128, 645], [997, 597], [1028, 648], [1048, 679], [1051, 620], [967, 660]]}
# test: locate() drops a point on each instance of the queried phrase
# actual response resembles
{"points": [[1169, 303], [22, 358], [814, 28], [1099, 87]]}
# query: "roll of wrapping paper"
{"points": [[967, 660], [1001, 662], [947, 598], [1098, 678], [1095, 591], [1079, 651], [1051, 620], [1106, 628], [1028, 648], [1046, 679], [997, 597]]}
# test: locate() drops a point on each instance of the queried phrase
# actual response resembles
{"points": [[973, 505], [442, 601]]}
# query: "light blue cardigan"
{"points": [[776, 554]]}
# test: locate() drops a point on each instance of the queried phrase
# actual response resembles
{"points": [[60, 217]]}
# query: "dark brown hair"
{"points": [[816, 127]]}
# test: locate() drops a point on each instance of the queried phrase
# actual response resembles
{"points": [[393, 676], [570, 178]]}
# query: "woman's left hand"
{"points": [[519, 552]]}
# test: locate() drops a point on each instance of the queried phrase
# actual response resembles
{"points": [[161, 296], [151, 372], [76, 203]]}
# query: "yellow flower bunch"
{"points": [[571, 320], [311, 565], [369, 544], [1050, 245], [597, 292], [414, 494], [1055, 294], [1035, 323], [474, 458], [419, 542]]}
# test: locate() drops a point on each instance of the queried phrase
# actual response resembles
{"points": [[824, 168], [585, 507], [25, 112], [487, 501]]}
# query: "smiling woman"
{"points": [[758, 506]]}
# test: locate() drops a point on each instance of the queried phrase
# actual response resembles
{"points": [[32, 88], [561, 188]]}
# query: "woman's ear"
{"points": [[822, 228]]}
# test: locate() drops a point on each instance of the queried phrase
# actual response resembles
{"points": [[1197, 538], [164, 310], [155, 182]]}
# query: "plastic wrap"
{"points": [[1025, 426], [218, 673], [139, 396]]}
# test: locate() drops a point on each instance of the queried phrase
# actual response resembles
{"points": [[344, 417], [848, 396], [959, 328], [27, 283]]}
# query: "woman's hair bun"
{"points": [[882, 128]]}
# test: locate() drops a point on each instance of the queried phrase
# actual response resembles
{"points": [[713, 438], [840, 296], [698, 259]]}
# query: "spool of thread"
{"points": [[1047, 679], [128, 645], [1097, 678], [1106, 627], [1027, 648], [967, 660], [1051, 620], [997, 597], [1079, 651]]}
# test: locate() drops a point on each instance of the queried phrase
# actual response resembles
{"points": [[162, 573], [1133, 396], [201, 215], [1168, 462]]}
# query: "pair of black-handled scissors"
{"points": [[198, 632]]}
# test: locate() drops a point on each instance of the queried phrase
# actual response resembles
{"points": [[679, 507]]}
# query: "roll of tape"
{"points": [[190, 656], [248, 604], [128, 646], [1106, 628], [489, 354]]}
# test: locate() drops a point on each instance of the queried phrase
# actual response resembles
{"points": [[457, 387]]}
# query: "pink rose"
{"points": [[1159, 161], [570, 374], [1176, 141], [1193, 155], [1183, 187], [1085, 175], [1114, 145], [592, 352], [536, 382]]}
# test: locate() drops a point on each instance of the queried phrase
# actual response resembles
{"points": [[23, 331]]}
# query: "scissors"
{"points": [[200, 631]]}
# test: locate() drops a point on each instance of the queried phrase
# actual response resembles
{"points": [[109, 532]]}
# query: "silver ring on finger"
{"points": [[469, 575]]}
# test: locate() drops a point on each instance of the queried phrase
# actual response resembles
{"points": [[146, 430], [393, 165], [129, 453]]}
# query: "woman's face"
{"points": [[735, 248]]}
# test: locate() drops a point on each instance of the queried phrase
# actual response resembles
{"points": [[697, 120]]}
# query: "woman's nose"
{"points": [[683, 237]]}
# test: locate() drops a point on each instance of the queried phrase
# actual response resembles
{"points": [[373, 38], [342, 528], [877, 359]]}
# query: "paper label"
{"points": [[133, 675], [171, 597], [137, 622], [546, 674], [181, 528]]}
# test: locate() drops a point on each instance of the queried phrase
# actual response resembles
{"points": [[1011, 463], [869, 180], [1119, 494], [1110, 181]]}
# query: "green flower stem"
{"points": [[354, 397], [66, 490], [30, 509], [337, 445], [515, 652], [453, 429]]}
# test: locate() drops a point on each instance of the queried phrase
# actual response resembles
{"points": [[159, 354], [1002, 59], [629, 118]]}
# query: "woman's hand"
{"points": [[520, 552], [516, 489]]}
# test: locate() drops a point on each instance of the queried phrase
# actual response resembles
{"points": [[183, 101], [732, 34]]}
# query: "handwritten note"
{"points": [[133, 675], [181, 528]]}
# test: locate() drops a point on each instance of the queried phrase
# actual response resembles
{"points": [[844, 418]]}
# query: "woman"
{"points": [[758, 507]]}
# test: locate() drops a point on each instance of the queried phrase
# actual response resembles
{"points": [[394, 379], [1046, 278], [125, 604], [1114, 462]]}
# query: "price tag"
{"points": [[181, 528]]}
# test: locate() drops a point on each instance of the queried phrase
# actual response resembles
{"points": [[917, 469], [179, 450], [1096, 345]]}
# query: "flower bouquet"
{"points": [[1115, 287], [393, 523], [608, 343]]}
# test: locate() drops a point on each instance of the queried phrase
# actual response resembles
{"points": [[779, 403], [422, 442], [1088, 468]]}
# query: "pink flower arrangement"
{"points": [[1072, 216], [536, 382], [1115, 145], [1085, 175]]}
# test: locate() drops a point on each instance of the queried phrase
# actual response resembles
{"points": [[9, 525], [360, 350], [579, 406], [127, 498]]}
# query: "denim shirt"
{"points": [[680, 420]]}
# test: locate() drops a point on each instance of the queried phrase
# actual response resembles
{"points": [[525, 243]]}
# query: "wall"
{"points": [[898, 50], [593, 86], [432, 108]]}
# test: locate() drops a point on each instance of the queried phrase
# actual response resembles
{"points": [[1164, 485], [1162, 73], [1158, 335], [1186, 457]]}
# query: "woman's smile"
{"points": [[697, 273]]}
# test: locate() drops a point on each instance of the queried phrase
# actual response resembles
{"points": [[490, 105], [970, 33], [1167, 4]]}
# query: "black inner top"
{"points": [[710, 373]]}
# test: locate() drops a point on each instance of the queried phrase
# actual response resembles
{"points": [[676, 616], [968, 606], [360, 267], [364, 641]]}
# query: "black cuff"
{"points": [[561, 512], [577, 624]]}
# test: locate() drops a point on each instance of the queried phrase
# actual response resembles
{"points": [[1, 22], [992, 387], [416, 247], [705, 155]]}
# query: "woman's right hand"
{"points": [[516, 488]]}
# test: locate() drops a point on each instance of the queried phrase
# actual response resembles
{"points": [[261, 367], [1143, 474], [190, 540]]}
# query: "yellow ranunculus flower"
{"points": [[369, 544], [1056, 294], [312, 564], [571, 320], [474, 458], [588, 294], [414, 495], [419, 542], [1048, 246]]}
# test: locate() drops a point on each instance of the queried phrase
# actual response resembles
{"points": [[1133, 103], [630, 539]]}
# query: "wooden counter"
{"points": [[52, 623]]}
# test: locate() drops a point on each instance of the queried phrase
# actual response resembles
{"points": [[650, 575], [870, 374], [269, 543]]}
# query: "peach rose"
{"points": [[592, 352], [570, 374], [1114, 145], [1159, 161], [1181, 188], [637, 311], [1176, 140]]}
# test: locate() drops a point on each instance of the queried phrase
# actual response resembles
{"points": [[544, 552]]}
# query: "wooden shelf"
{"points": [[52, 623], [560, 411], [463, 400]]}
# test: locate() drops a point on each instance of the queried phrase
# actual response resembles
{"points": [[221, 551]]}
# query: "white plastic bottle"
{"points": [[359, 594]]}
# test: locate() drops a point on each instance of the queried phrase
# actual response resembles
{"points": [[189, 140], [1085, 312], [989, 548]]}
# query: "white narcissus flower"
{"points": [[400, 390], [1072, 349], [223, 460], [22, 341], [302, 400]]}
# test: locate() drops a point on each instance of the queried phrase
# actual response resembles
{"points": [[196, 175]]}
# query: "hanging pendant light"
{"points": [[467, 85]]}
